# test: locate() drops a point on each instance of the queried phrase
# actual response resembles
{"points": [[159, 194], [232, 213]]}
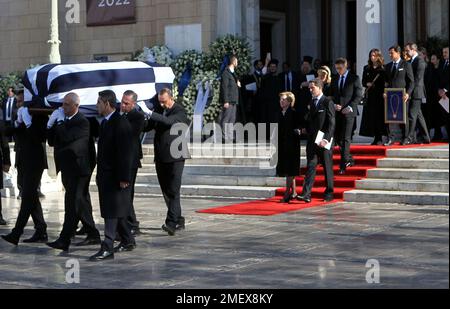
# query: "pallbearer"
{"points": [[114, 176]]}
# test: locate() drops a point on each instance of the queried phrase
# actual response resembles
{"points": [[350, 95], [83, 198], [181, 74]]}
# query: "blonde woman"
{"points": [[288, 145], [324, 73]]}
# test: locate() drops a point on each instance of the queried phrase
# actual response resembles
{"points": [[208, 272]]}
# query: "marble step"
{"points": [[151, 178], [425, 153], [215, 160], [401, 173], [397, 197], [413, 163], [240, 192], [403, 185]]}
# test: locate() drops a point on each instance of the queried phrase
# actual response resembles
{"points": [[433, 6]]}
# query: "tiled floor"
{"points": [[314, 248]]}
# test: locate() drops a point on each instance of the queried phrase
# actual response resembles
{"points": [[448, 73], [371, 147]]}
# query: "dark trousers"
{"points": [[169, 177], [75, 203], [415, 115], [86, 217], [314, 154], [30, 205], [119, 226], [227, 121], [132, 220], [344, 132]]}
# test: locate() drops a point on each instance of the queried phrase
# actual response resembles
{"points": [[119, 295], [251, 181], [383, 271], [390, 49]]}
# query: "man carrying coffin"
{"points": [[114, 176], [169, 166], [33, 131], [137, 122], [68, 133]]}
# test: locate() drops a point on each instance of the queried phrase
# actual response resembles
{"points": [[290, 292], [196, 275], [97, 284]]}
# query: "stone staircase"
{"points": [[241, 172], [416, 176]]}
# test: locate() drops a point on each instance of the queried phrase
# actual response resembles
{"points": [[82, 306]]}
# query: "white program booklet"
{"points": [[444, 103], [319, 138], [310, 77]]}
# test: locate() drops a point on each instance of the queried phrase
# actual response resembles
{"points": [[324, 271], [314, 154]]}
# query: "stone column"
{"points": [[250, 25], [437, 18], [376, 28], [54, 41], [229, 17], [311, 28]]}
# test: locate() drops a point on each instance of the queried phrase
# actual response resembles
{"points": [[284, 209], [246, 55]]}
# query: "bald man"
{"points": [[68, 133]]}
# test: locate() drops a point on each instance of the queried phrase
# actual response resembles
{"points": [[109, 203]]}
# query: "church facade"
{"points": [[289, 29]]}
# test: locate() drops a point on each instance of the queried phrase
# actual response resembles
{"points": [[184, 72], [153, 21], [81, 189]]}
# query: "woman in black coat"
{"points": [[374, 80], [288, 145]]}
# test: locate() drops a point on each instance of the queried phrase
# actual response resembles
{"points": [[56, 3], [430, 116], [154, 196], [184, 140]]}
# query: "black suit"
{"points": [[137, 122], [114, 166], [12, 109], [169, 166], [320, 118], [70, 140], [229, 93], [415, 109], [402, 77], [5, 158], [34, 163], [348, 96]]}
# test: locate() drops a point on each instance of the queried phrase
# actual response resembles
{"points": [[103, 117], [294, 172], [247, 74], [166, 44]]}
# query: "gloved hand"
{"points": [[56, 116], [144, 108]]}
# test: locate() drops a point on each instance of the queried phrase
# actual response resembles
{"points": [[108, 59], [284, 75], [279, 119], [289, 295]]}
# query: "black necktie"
{"points": [[288, 82], [446, 64], [315, 102], [104, 121], [394, 70], [341, 85]]}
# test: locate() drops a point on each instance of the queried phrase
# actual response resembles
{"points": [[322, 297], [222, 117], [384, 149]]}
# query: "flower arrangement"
{"points": [[158, 54], [205, 68], [227, 46]]}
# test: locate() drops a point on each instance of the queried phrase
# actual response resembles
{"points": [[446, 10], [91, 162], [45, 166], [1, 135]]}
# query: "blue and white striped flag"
{"points": [[50, 83]]}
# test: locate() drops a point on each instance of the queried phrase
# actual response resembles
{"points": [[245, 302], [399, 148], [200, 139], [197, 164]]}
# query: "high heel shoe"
{"points": [[287, 198]]}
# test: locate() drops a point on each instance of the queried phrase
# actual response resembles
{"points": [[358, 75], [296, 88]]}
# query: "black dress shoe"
{"points": [[389, 143], [303, 198], [171, 231], [11, 239], [124, 248], [181, 226], [102, 255], [406, 142], [37, 238], [328, 198], [89, 241], [3, 222], [59, 245]]}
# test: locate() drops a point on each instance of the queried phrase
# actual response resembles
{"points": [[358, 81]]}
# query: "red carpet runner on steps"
{"points": [[366, 158]]}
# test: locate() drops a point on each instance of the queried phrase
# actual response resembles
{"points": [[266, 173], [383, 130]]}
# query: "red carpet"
{"points": [[366, 158]]}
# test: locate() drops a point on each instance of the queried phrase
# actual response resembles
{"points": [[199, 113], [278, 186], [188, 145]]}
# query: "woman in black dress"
{"points": [[288, 145], [374, 80]]}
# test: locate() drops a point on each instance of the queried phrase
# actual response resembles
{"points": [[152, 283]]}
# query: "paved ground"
{"points": [[315, 248]]}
